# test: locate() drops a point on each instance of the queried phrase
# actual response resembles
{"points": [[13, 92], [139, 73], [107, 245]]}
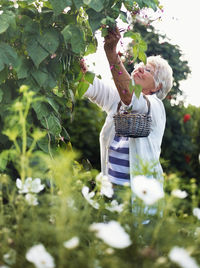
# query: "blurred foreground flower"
{"points": [[112, 233], [181, 257], [10, 257], [114, 206], [180, 194], [196, 213], [29, 186], [31, 199], [149, 190], [88, 196], [106, 185], [40, 257], [72, 243]]}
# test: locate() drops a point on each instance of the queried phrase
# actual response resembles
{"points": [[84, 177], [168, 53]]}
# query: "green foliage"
{"points": [[64, 214], [69, 201], [84, 128], [178, 143], [41, 45], [139, 46]]}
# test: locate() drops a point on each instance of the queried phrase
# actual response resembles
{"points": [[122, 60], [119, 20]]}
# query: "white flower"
{"points": [[31, 199], [109, 251], [72, 243], [114, 206], [67, 9], [149, 190], [197, 231], [24, 187], [106, 185], [88, 196], [10, 257], [40, 257], [29, 186], [196, 213], [36, 186], [180, 194], [112, 233], [181, 257]]}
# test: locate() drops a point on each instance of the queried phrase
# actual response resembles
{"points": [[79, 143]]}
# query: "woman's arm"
{"points": [[120, 75]]}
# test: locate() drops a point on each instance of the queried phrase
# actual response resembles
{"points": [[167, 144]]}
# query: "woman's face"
{"points": [[144, 76]]}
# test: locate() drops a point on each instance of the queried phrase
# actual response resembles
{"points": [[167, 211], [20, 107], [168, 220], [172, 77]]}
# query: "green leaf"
{"points": [[54, 125], [89, 77], [142, 56], [40, 76], [3, 75], [43, 144], [104, 32], [95, 19], [1, 94], [74, 35], [143, 45], [60, 5], [82, 88], [135, 52], [95, 4], [49, 41], [8, 55], [53, 104], [138, 90], [1, 64], [22, 68], [78, 3], [91, 48], [148, 3], [123, 16], [6, 19], [4, 23], [36, 52], [41, 110], [131, 34], [4, 158], [31, 28], [110, 22]]}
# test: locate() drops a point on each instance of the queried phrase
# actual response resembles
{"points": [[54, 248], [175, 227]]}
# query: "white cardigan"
{"points": [[145, 149]]}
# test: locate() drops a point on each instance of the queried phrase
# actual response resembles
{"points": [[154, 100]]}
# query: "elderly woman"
{"points": [[122, 157]]}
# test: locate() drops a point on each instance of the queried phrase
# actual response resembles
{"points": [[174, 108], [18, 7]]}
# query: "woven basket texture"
{"points": [[132, 125]]}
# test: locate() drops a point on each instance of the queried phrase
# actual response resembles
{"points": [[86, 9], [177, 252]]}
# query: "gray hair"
{"points": [[163, 75]]}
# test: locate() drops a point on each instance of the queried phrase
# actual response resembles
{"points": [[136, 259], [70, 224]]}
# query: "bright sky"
{"points": [[180, 21]]}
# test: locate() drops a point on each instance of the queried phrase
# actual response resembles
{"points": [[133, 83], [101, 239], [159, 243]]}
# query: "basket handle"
{"points": [[148, 104]]}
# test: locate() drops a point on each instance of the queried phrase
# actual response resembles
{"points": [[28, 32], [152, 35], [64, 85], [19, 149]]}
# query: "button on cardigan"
{"points": [[145, 149]]}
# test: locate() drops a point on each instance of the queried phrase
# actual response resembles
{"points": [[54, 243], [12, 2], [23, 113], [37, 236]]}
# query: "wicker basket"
{"points": [[130, 124]]}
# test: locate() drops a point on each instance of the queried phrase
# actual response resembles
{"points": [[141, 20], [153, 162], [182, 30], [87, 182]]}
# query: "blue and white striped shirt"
{"points": [[118, 163]]}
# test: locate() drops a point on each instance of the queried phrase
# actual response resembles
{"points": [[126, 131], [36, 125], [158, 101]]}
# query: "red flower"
{"points": [[186, 117], [187, 158]]}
